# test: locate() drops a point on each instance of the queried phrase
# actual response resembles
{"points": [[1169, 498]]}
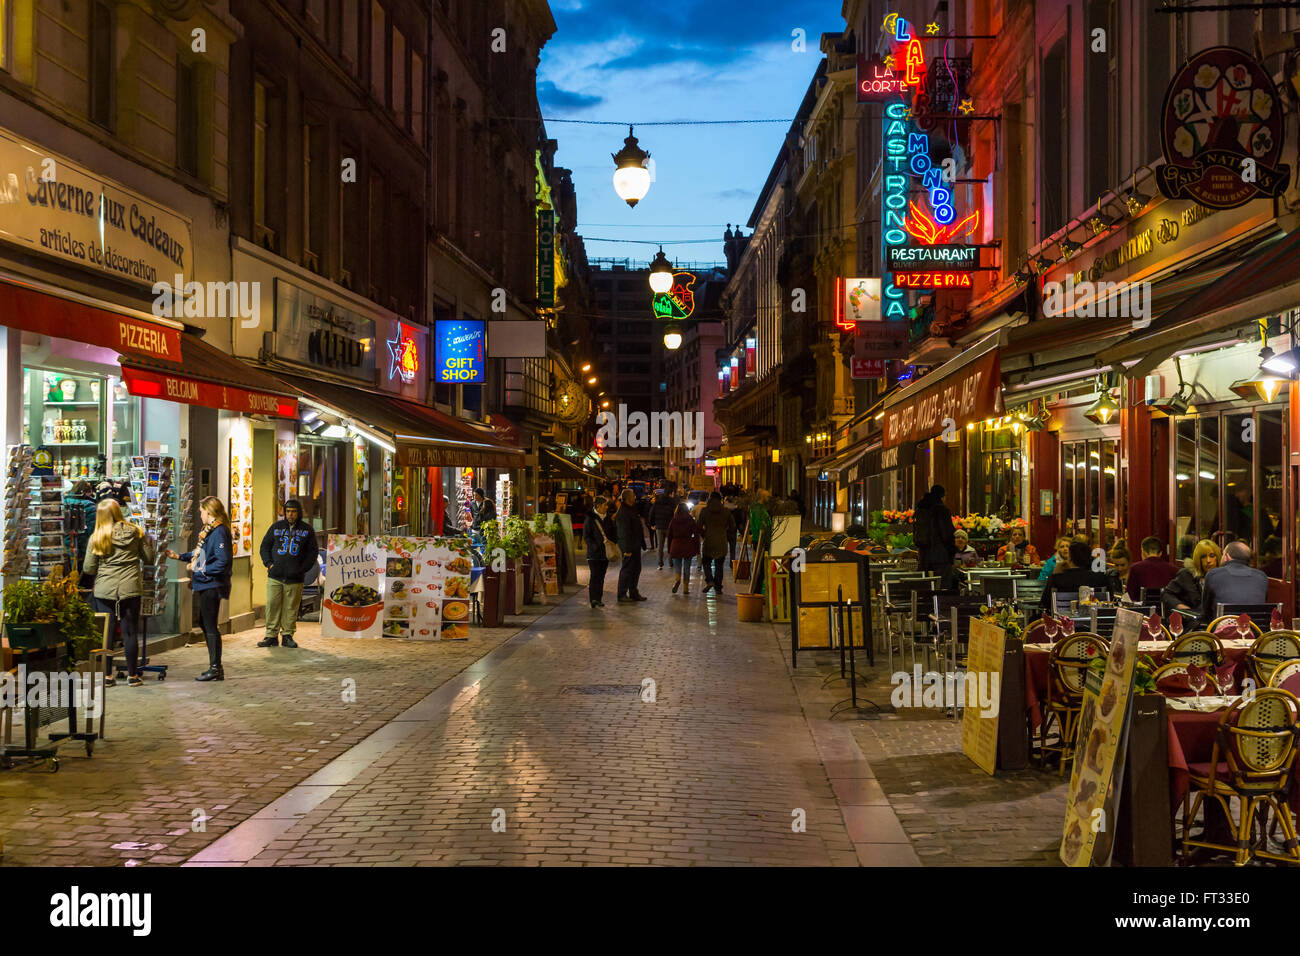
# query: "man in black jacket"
{"points": [[1078, 574], [661, 515], [934, 535], [289, 553], [632, 542]]}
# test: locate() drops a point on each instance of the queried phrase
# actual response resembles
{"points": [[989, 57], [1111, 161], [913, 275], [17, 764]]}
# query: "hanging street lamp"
{"points": [[661, 273], [631, 178], [673, 337]]}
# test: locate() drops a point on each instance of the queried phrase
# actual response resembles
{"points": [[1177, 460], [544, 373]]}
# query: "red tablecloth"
{"points": [[1036, 656], [1191, 740]]}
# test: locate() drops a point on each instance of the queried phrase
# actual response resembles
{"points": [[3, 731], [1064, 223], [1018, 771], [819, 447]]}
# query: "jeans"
{"points": [[282, 601], [629, 575], [596, 585], [126, 613], [683, 567], [209, 611], [713, 570], [662, 535]]}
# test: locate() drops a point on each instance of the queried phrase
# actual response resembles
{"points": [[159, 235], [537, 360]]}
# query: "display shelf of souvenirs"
{"points": [[17, 507]]}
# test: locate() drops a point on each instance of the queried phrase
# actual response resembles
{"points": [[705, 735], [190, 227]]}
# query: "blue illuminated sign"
{"points": [[458, 351]]}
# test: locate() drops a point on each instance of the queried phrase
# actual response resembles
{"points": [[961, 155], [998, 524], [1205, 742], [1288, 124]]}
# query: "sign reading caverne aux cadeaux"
{"points": [[52, 206]]}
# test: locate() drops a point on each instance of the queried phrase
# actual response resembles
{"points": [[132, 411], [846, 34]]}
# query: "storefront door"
{"points": [[322, 485]]}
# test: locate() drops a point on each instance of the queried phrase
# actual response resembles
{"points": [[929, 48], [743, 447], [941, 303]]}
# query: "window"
{"points": [[380, 251], [398, 82], [316, 14], [1054, 140], [417, 95], [1099, 78], [1157, 60], [1090, 504], [268, 171], [315, 194], [378, 50], [187, 117], [348, 33], [100, 73], [352, 237], [4, 34]]}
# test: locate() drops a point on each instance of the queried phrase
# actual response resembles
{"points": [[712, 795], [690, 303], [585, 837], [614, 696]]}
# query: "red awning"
{"points": [[964, 391], [25, 308], [210, 378]]}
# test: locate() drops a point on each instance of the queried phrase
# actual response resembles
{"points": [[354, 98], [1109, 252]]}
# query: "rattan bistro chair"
{"points": [[1067, 668], [1254, 748], [1231, 619], [1284, 672], [1270, 650], [1197, 647]]}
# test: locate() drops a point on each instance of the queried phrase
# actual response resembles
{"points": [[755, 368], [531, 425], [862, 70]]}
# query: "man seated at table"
{"points": [[1078, 573], [1152, 572], [1233, 582], [965, 556]]}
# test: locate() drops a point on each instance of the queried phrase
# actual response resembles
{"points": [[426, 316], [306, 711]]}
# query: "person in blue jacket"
{"points": [[209, 565], [289, 553]]}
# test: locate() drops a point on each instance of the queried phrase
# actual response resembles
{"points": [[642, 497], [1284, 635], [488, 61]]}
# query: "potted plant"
{"points": [[45, 613], [517, 544]]}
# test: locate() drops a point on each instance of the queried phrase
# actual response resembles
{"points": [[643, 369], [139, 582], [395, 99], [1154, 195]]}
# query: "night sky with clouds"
{"points": [[669, 61]]}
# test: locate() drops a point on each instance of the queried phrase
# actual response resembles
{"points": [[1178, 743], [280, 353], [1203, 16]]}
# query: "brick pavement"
{"points": [[227, 749], [709, 773]]}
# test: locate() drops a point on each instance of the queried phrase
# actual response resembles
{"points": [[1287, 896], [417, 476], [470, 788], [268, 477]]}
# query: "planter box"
{"points": [[33, 636], [494, 597]]}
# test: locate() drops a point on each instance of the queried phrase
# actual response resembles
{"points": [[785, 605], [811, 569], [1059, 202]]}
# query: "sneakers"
{"points": [[269, 642], [288, 641], [136, 681]]}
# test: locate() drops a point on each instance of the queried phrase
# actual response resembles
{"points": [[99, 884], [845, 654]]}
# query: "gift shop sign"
{"points": [[1222, 132], [51, 206], [314, 332], [969, 394]]}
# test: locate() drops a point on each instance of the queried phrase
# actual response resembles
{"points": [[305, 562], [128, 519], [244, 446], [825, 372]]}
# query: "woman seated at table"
{"points": [[1061, 557], [1018, 551], [1118, 563], [966, 556], [1183, 593], [1078, 573]]}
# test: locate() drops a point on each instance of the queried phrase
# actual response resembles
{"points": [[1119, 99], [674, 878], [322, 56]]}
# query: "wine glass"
{"points": [[1196, 679]]}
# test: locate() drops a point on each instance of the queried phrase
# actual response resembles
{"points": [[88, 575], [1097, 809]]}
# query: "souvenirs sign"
{"points": [[1222, 132]]}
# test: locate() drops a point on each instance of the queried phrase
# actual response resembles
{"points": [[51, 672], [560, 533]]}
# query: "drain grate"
{"points": [[601, 690]]}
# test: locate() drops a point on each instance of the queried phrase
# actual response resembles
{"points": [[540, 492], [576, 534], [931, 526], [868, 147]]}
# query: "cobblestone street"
{"points": [[526, 745]]}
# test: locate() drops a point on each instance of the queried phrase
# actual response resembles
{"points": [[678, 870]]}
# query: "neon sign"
{"points": [[877, 81], [933, 280], [950, 258], [924, 229], [459, 350], [918, 149], [403, 357], [893, 201], [679, 301]]}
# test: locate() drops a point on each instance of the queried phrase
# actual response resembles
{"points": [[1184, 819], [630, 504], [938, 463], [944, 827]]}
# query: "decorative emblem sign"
{"points": [[677, 303], [1222, 132]]}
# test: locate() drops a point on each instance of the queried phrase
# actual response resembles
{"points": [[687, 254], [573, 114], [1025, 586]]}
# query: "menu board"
{"points": [[979, 728], [397, 587], [241, 497], [1091, 809]]}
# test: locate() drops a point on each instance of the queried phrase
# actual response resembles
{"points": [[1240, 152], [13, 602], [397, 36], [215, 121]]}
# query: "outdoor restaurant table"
{"points": [[1036, 656], [1191, 741]]}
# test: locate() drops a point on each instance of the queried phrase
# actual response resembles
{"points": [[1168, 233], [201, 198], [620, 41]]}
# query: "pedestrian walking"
{"points": [[484, 511], [599, 538], [683, 536], [631, 540], [289, 551], [717, 528], [209, 565], [934, 535], [115, 555], [661, 514]]}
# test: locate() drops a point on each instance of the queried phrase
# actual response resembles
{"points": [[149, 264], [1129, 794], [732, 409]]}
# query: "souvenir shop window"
{"points": [[89, 423]]}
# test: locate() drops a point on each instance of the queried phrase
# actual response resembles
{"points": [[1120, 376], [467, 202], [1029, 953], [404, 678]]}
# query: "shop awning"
{"points": [[208, 377], [967, 389], [421, 436], [838, 464], [70, 316], [556, 461], [1266, 283]]}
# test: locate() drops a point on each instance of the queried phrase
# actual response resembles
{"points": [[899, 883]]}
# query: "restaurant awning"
{"points": [[1266, 283], [33, 307], [967, 389], [421, 436], [837, 465], [552, 460], [208, 377]]}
